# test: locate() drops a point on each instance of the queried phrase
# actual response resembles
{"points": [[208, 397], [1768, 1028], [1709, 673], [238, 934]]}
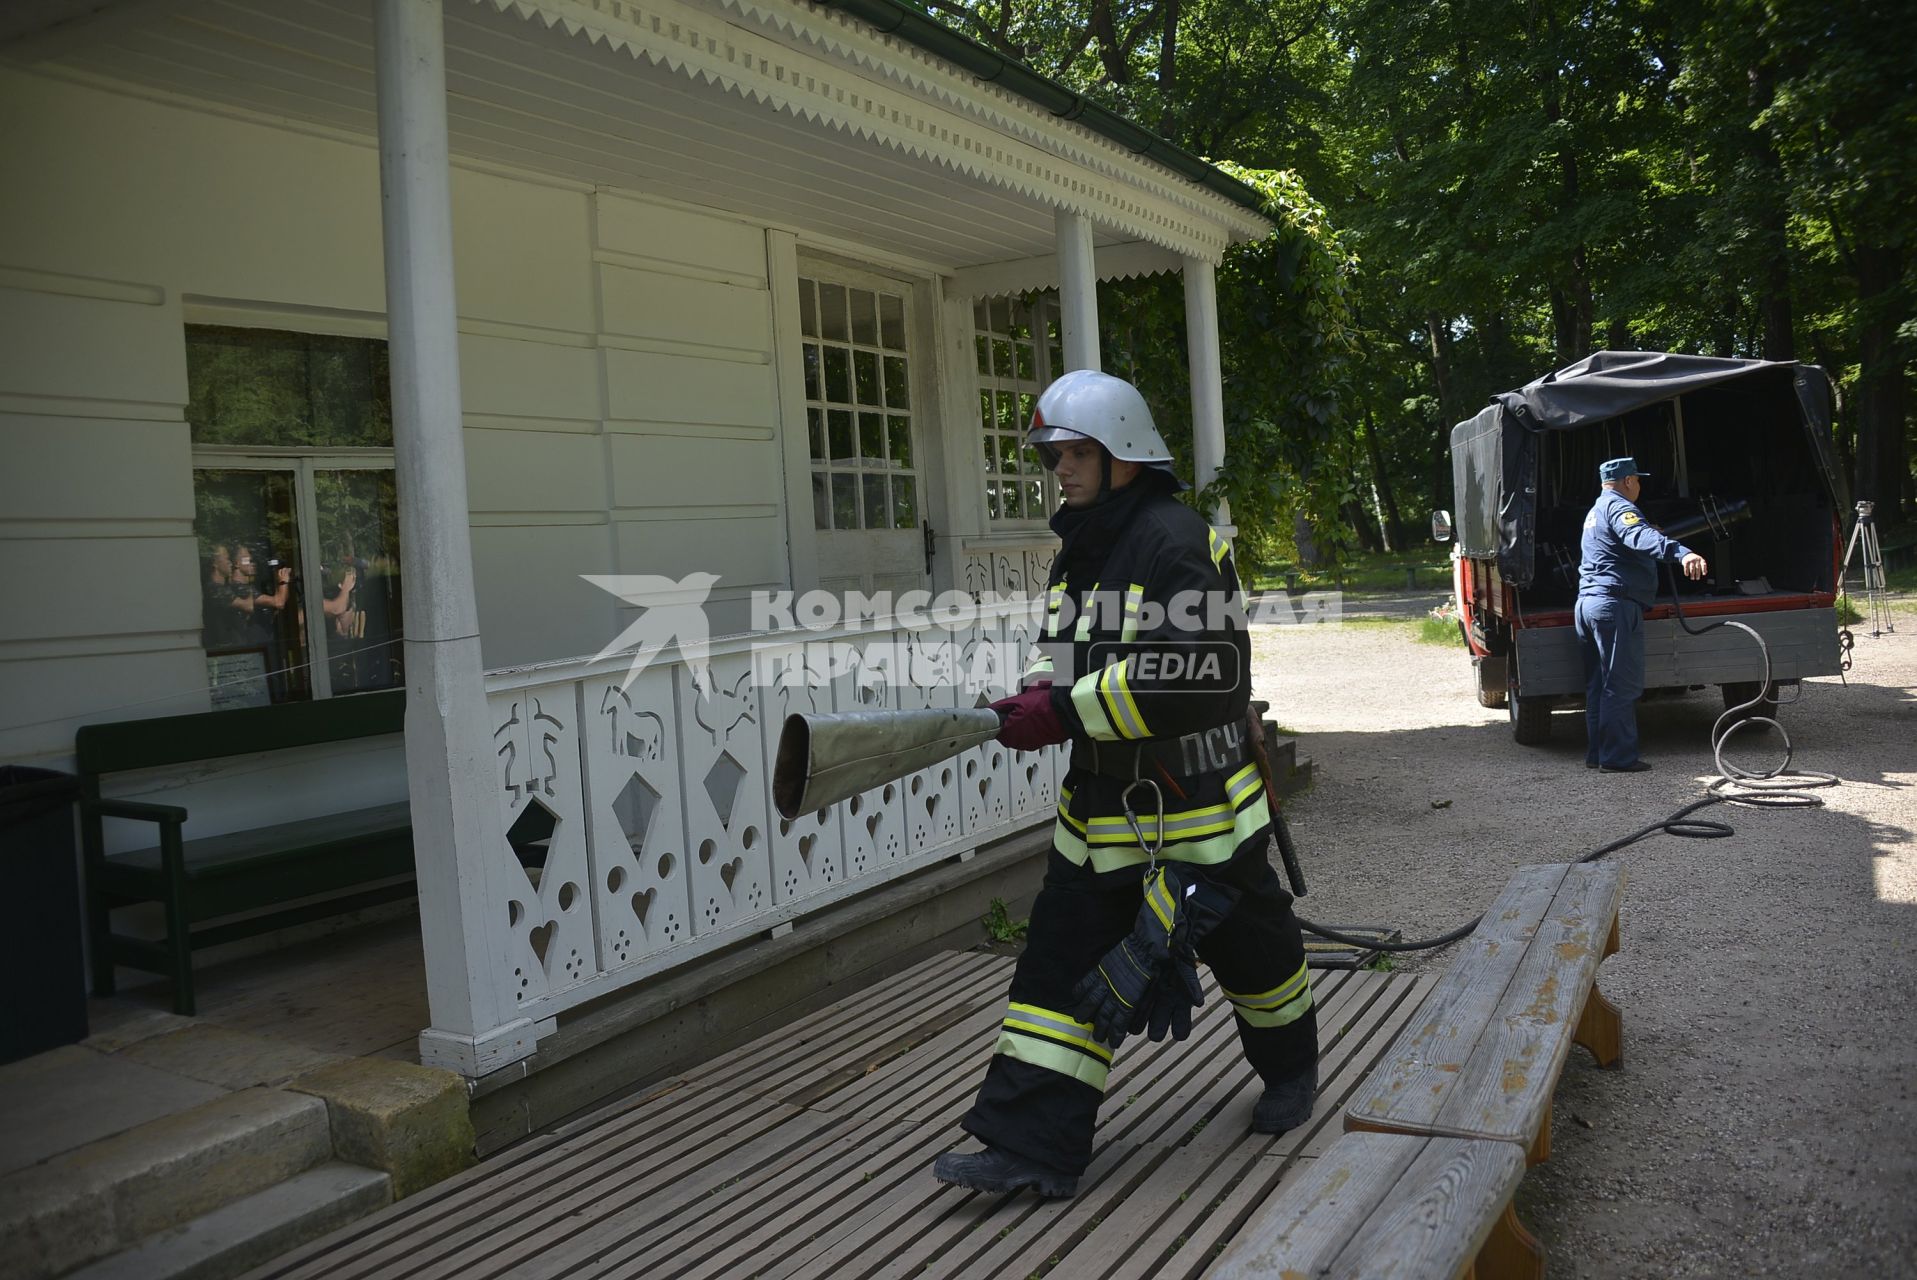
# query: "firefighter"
{"points": [[1617, 582], [1141, 593]]}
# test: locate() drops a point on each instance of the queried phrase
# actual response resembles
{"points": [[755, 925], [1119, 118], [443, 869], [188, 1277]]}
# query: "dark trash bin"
{"points": [[41, 949]]}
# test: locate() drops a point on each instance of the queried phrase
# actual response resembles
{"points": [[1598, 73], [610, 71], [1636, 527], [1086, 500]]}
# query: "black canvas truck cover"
{"points": [[1494, 456]]}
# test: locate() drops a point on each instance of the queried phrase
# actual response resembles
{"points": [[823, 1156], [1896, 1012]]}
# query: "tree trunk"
{"points": [[1381, 484], [1363, 525], [1880, 383], [1168, 70], [1448, 414], [1774, 278], [1309, 556]]}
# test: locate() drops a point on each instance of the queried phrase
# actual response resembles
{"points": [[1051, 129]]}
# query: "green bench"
{"points": [[309, 869]]}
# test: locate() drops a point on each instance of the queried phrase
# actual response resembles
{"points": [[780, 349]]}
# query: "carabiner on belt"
{"points": [[1157, 842]]}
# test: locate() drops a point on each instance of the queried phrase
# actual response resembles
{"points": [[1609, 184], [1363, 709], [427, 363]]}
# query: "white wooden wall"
{"points": [[617, 376]]}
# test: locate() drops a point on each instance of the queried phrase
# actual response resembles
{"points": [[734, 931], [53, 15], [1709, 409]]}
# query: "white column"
{"points": [[457, 829], [1207, 379], [1077, 292]]}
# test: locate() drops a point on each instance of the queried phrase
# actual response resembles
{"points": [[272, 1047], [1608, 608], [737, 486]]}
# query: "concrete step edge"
{"points": [[98, 1199], [248, 1232]]}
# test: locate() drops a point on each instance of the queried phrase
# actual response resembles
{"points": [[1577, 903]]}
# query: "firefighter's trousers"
{"points": [[1041, 1094]]}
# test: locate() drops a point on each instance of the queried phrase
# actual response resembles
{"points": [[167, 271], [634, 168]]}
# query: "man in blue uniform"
{"points": [[1617, 582]]}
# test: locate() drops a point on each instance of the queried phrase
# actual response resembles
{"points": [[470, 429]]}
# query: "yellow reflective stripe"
{"points": [[1117, 692], [1134, 601], [1240, 788], [1062, 1027], [1091, 711], [1068, 837], [1284, 1003], [1286, 990], [1243, 783], [1056, 1041], [1084, 628], [1158, 897], [1054, 1057], [1041, 665], [1219, 548]]}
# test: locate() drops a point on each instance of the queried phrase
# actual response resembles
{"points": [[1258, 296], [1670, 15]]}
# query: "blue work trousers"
{"points": [[1611, 636]]}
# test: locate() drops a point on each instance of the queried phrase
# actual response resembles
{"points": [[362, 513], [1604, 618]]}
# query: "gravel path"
{"points": [[1765, 1119]]}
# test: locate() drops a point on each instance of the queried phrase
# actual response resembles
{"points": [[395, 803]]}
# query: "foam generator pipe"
{"points": [[825, 759]]}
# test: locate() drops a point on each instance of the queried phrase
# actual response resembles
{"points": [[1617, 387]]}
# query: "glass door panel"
{"points": [[252, 627], [359, 619]]}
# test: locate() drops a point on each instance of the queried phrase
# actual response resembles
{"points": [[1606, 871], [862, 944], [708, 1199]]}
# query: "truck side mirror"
{"points": [[1441, 526]]}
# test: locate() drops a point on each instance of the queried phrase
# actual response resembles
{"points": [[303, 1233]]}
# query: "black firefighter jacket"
{"points": [[1144, 640]]}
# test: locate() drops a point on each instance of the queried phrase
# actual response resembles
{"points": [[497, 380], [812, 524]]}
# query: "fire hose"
{"points": [[1769, 789]]}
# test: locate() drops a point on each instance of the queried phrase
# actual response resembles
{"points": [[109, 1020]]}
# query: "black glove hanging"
{"points": [[1149, 981]]}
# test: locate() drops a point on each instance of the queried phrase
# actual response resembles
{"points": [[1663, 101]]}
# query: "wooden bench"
{"points": [[1389, 1204], [1481, 1057], [220, 877], [1439, 1135]]}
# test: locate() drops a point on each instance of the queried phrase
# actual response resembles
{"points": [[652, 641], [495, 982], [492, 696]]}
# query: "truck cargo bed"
{"points": [[1802, 642]]}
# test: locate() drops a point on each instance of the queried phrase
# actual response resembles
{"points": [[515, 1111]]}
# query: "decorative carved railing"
{"points": [[641, 834]]}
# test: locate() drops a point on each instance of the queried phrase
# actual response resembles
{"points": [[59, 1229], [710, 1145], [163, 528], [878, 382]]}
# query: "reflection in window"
{"points": [[299, 574], [250, 587], [271, 387]]}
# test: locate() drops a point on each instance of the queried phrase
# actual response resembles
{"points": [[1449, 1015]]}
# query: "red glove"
{"points": [[1030, 720]]}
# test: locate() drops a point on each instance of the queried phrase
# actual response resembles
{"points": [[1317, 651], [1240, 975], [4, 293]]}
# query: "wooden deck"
{"points": [[807, 1154]]}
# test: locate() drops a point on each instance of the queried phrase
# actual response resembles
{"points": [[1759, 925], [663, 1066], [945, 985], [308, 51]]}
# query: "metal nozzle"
{"points": [[825, 759]]}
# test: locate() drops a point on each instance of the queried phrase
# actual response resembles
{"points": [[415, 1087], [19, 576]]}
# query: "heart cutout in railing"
{"points": [[805, 850], [541, 938], [729, 872], [642, 903], [932, 805], [872, 825]]}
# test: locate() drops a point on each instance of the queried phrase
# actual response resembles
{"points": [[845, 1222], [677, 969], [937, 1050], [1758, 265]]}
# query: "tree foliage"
{"points": [[1469, 195]]}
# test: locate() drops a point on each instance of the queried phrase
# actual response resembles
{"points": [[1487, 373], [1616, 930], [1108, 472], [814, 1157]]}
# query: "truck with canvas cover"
{"points": [[1741, 471]]}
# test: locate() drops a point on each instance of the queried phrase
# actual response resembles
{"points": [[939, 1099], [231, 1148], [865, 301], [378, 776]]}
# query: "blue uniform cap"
{"points": [[1619, 469]]}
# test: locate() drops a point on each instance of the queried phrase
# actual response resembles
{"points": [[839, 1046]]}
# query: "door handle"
{"points": [[931, 546]]}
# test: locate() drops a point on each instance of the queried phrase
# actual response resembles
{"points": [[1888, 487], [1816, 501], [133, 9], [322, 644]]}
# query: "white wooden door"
{"points": [[866, 399]]}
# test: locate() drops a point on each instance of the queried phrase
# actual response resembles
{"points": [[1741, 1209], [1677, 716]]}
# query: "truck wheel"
{"points": [[1530, 720], [1490, 683], [1741, 691]]}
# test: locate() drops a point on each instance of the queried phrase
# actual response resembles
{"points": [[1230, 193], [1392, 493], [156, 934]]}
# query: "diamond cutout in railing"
{"points": [[722, 784], [635, 806], [531, 836]]}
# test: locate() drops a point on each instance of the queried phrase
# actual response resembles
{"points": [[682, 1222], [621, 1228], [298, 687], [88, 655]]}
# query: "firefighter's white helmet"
{"points": [[1097, 406]]}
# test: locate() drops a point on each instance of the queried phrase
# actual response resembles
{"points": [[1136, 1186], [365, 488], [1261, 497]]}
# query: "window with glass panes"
{"points": [[296, 513], [858, 407], [1018, 356]]}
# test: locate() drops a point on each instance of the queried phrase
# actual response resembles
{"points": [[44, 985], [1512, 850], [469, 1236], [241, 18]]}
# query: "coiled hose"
{"points": [[1776, 788]]}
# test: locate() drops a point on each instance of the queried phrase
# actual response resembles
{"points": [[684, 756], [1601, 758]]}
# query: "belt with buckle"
{"points": [[1212, 750]]}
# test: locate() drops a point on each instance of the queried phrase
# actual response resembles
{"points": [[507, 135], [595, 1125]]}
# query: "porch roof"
{"points": [[796, 114]]}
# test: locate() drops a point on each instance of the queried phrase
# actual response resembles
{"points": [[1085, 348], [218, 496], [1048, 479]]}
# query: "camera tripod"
{"points": [[1863, 537]]}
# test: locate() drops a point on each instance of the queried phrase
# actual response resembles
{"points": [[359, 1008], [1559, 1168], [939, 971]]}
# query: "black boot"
{"points": [[1000, 1172], [1287, 1104]]}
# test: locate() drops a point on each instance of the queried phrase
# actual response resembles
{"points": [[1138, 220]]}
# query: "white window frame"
{"points": [[993, 342]]}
